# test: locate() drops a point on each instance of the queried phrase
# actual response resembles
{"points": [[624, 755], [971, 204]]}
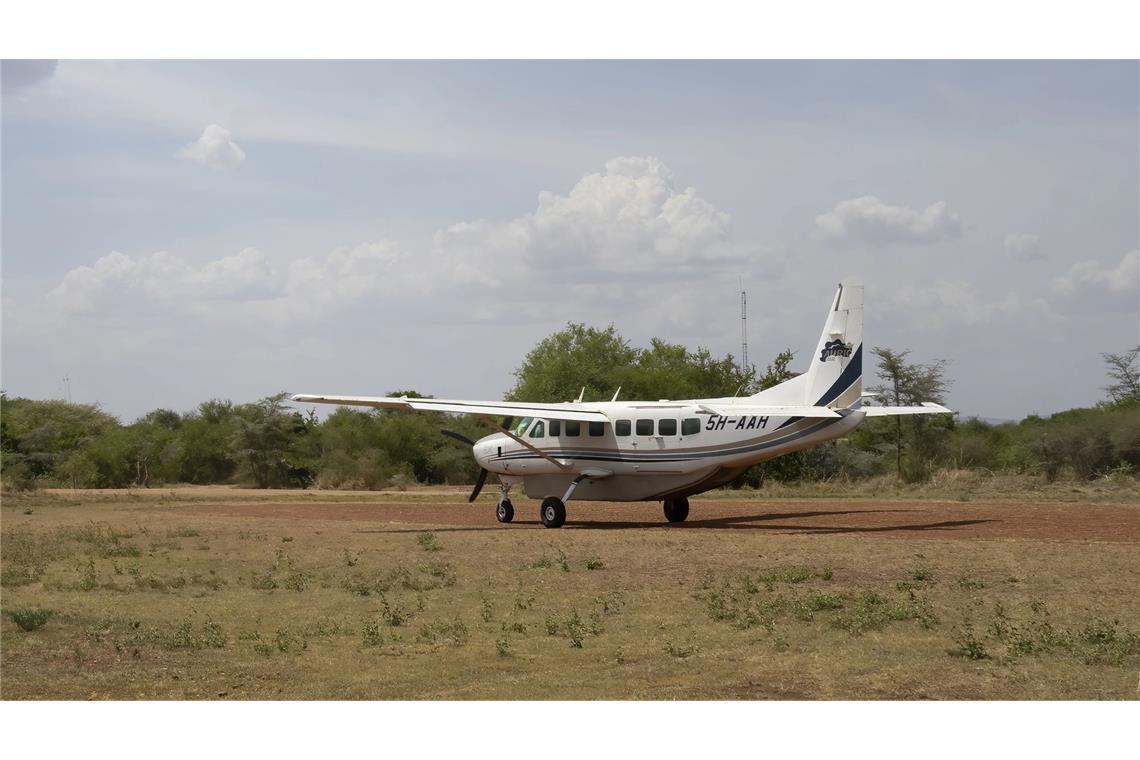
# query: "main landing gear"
{"points": [[504, 510], [676, 510], [553, 512]]}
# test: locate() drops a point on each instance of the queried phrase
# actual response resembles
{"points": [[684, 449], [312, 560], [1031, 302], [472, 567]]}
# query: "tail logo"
{"points": [[833, 349]]}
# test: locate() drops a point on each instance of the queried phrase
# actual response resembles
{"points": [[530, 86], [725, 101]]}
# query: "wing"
{"points": [[928, 407], [572, 412]]}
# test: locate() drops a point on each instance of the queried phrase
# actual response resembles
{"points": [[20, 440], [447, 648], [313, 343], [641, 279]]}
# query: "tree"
{"points": [[570, 359], [1124, 371], [262, 438], [601, 361], [907, 384]]}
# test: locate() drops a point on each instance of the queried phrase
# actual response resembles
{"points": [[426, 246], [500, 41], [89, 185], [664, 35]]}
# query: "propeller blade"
{"points": [[458, 436], [478, 485]]}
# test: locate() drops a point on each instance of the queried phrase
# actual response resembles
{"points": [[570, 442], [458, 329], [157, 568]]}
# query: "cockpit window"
{"points": [[539, 430], [524, 423]]}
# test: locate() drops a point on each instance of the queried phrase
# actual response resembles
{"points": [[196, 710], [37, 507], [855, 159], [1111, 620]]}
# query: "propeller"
{"points": [[479, 481]]}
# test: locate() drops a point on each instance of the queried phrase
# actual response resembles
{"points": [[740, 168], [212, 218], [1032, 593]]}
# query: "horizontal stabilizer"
{"points": [[571, 412], [737, 410], [928, 407]]}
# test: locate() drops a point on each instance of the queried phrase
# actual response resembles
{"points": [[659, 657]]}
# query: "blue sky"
{"points": [[175, 231]]}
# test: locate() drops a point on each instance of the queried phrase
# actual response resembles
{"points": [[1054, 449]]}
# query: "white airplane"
{"points": [[664, 450]]}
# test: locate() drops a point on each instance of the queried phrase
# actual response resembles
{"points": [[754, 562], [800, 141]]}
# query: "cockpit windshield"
{"points": [[522, 425]]}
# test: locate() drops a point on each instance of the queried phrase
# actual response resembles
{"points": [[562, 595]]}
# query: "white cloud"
{"points": [[954, 302], [214, 148], [1089, 284], [868, 220], [163, 277], [1023, 246], [627, 219]]}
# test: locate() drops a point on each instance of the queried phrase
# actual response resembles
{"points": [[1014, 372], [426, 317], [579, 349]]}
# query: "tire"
{"points": [[676, 510], [505, 511], [552, 512]]}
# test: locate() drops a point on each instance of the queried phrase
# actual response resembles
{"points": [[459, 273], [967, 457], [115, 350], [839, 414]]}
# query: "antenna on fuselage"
{"points": [[580, 395], [616, 394]]}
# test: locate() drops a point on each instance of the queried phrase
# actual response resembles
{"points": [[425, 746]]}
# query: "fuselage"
{"points": [[649, 450]]}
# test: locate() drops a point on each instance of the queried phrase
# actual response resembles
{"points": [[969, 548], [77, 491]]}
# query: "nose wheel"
{"points": [[505, 511]]}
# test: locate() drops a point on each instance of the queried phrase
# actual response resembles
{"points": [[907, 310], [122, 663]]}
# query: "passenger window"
{"points": [[667, 427], [622, 427], [556, 427], [597, 428], [689, 426], [539, 430], [573, 428], [645, 427]]}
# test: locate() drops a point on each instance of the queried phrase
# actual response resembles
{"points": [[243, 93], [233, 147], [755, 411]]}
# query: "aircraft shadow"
{"points": [[735, 522]]}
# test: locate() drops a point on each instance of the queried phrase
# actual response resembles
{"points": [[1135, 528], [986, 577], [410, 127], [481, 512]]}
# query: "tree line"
{"points": [[269, 444]]}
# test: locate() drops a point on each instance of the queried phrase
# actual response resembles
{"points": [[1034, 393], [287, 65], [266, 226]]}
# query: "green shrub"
{"points": [[30, 619]]}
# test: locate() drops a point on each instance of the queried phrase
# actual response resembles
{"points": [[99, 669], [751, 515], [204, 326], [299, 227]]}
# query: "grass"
{"points": [[123, 604]]}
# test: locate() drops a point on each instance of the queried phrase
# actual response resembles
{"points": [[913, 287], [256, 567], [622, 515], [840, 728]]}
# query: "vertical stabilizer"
{"points": [[835, 376]]}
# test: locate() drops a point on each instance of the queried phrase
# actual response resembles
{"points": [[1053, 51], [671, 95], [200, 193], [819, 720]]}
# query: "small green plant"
{"points": [[488, 610], [966, 583], [181, 532], [428, 541], [371, 636], [681, 651], [286, 539], [969, 645], [262, 581], [826, 574], [350, 559], [29, 618], [454, 632], [562, 563], [393, 614], [502, 648], [593, 563], [297, 581]]}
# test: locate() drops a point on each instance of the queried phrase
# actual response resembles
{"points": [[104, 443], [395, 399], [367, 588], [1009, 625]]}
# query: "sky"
{"points": [[179, 231]]}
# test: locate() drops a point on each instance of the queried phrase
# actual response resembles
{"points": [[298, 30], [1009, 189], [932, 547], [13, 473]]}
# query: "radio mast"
{"points": [[743, 328]]}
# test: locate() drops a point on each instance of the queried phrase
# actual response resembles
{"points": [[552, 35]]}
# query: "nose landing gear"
{"points": [[504, 510]]}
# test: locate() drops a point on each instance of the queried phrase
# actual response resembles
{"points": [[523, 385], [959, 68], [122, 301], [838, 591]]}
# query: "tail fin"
{"points": [[835, 377]]}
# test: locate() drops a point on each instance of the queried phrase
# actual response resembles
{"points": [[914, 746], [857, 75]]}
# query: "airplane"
{"points": [[663, 450]]}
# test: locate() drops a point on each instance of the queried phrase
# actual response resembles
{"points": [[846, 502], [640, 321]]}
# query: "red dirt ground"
{"points": [[954, 520]]}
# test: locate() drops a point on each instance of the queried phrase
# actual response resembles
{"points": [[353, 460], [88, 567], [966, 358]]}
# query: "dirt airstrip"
{"points": [[1115, 523]]}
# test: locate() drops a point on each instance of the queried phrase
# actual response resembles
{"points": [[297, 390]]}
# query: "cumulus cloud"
{"points": [[215, 147], [627, 219], [164, 277], [869, 220], [1090, 284], [1023, 246]]}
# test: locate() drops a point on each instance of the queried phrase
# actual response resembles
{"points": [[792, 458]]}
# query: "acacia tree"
{"points": [[906, 384], [1124, 372]]}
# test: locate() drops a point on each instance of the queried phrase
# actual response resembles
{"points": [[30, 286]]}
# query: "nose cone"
{"points": [[485, 449]]}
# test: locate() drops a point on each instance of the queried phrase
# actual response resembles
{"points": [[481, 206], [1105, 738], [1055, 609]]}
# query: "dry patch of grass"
{"points": [[117, 599]]}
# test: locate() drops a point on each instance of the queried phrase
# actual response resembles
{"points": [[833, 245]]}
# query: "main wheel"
{"points": [[676, 510], [505, 511], [552, 512]]}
